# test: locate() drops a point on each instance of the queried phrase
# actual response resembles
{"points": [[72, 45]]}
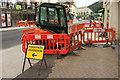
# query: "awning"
{"points": [[101, 10], [23, 11], [96, 6]]}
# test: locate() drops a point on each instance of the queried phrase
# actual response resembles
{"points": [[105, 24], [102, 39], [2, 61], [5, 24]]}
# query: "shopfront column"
{"points": [[114, 17]]}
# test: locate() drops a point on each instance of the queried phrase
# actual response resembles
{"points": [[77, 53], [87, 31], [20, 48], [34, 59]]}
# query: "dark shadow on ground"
{"points": [[32, 72]]}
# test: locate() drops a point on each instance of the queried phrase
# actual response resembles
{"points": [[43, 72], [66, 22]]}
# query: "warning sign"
{"points": [[35, 51]]}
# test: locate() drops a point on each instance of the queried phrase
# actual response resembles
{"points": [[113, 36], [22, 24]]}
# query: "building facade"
{"points": [[112, 18], [84, 12], [112, 14], [71, 4]]}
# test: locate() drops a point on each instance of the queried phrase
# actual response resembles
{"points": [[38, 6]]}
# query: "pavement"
{"points": [[94, 62], [11, 53], [12, 61], [44, 72], [11, 38], [14, 28]]}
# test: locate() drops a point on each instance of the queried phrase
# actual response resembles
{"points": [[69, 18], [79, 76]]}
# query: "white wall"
{"points": [[114, 16], [119, 20], [114, 7]]}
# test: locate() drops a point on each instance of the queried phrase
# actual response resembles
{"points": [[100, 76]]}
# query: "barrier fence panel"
{"points": [[72, 29], [92, 25], [113, 34], [75, 28], [31, 23], [54, 43], [25, 23], [30, 31], [62, 43], [75, 40], [80, 27], [98, 36], [22, 23]]}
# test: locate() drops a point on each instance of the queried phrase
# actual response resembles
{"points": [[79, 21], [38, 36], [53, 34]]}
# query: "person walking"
{"points": [[90, 22]]}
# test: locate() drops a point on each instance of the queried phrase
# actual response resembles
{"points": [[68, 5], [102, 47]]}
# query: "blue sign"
{"points": [[34, 55]]}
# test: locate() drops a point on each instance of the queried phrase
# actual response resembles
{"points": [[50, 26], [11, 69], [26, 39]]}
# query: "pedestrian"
{"points": [[90, 22], [100, 20], [97, 21]]}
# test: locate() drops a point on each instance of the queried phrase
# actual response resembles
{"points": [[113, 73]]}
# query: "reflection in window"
{"points": [[43, 16], [62, 18], [37, 14], [52, 17]]}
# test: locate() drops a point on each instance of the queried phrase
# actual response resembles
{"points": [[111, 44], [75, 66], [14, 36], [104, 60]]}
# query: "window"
{"points": [[81, 13], [37, 14], [84, 13], [62, 18], [43, 16], [52, 17]]}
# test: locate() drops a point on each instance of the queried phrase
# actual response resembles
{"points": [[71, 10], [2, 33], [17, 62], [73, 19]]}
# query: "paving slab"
{"points": [[94, 62], [12, 61], [33, 72], [15, 28]]}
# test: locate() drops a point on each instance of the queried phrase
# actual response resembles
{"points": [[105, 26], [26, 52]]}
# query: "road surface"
{"points": [[11, 38]]}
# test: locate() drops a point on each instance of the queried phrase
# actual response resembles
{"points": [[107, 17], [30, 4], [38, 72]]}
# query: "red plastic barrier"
{"points": [[98, 35], [25, 23], [113, 33], [75, 28], [80, 26], [72, 28], [31, 23], [53, 21], [22, 23], [75, 40], [54, 43], [92, 25]]}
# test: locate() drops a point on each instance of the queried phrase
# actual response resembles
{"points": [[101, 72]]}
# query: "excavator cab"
{"points": [[52, 17]]}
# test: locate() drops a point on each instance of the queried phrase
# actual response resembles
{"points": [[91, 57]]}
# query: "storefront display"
{"points": [[8, 19], [3, 20]]}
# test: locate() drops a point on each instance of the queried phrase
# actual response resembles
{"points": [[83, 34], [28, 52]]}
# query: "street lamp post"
{"points": [[35, 2]]}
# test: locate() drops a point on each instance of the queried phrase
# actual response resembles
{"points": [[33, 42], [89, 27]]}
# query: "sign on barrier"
{"points": [[35, 51]]}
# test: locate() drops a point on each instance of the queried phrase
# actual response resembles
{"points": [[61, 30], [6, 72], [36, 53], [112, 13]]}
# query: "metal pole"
{"points": [[35, 9]]}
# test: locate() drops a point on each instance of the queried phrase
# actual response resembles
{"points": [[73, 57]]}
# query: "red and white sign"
{"points": [[8, 19], [3, 20]]}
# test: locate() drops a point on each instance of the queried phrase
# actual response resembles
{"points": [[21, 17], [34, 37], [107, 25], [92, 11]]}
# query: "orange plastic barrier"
{"points": [[31, 31], [92, 25], [113, 33], [22, 23], [53, 21], [98, 35], [54, 43], [75, 28], [75, 40], [31, 23], [80, 26], [62, 43], [25, 23]]}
